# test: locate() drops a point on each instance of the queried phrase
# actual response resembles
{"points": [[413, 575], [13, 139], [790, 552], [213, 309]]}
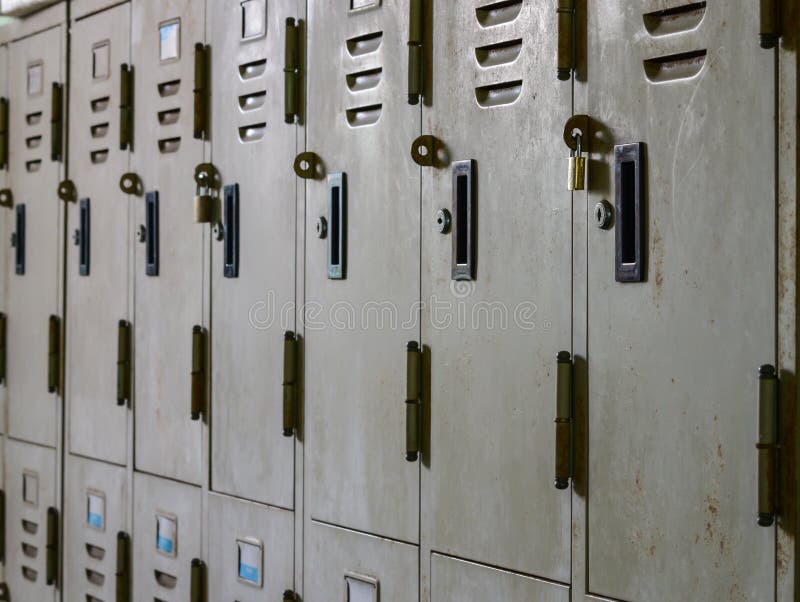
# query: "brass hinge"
{"points": [[51, 572], [2, 349], [416, 51], [3, 133], [563, 420], [199, 383], [57, 122], [413, 401], [126, 107], [289, 596], [291, 71], [123, 362], [767, 445], [198, 581], [123, 574], [6, 198], [53, 354], [5, 595], [2, 526], [201, 91], [289, 383], [566, 38], [770, 23]]}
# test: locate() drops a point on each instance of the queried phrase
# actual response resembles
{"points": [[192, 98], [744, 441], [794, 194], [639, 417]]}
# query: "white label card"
{"points": [[166, 535], [169, 40], [96, 511]]}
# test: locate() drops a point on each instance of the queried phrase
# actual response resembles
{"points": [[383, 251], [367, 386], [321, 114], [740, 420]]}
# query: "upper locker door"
{"points": [[497, 285], [35, 67], [362, 276], [254, 252], [673, 359], [169, 262], [97, 257]]}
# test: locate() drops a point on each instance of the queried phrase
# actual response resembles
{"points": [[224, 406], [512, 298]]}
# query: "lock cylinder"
{"points": [[767, 445]]}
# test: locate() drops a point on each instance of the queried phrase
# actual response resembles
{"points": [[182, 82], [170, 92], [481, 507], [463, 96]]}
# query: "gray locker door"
{"points": [[361, 126], [493, 339], [673, 360], [254, 263], [166, 537], [250, 551], [31, 490], [168, 305], [356, 567], [96, 509], [35, 63], [97, 262], [7, 223]]}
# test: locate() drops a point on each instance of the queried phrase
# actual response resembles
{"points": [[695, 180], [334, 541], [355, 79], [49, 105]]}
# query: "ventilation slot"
{"points": [[252, 133], [498, 54], [675, 66], [169, 145], [100, 104], [498, 94], [29, 574], [169, 88], [91, 598], [33, 166], [364, 80], [29, 527], [361, 45], [674, 20], [169, 117], [33, 118], [363, 115], [95, 552], [166, 580], [29, 550], [498, 13], [158, 600], [254, 69], [99, 156], [95, 578], [33, 141], [100, 130], [251, 102]]}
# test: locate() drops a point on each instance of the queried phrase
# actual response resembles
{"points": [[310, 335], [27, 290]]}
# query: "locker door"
{"points": [[254, 254], [96, 510], [497, 287], [169, 263], [35, 261], [362, 282], [672, 360], [32, 569], [250, 551], [166, 537], [97, 259]]}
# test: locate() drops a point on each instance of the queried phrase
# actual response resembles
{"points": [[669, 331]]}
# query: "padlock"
{"points": [[203, 206], [576, 171]]}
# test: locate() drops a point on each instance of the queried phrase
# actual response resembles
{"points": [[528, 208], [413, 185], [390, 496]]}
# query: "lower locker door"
{"points": [[95, 511]]}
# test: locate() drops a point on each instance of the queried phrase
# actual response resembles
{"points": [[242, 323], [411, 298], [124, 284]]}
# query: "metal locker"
{"points": [[497, 288], [32, 525], [37, 125], [250, 551], [254, 261], [356, 567], [166, 539], [98, 315], [171, 259], [362, 271], [687, 160], [96, 507]]}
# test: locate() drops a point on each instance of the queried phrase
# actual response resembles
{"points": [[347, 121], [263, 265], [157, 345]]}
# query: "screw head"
{"points": [[322, 227], [442, 221], [141, 235], [603, 215]]}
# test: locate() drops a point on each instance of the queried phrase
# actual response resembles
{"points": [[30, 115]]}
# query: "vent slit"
{"points": [[99, 156], [169, 145], [498, 54], [99, 131], [684, 65], [364, 80], [33, 166], [361, 116], [674, 20], [498, 13], [169, 117], [99, 104], [33, 141], [251, 102], [169, 88], [366, 44], [252, 133], [95, 552], [165, 580], [253, 69], [33, 118], [496, 95]]}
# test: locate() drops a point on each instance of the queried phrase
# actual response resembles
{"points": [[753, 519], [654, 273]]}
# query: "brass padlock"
{"points": [[576, 171], [203, 207]]}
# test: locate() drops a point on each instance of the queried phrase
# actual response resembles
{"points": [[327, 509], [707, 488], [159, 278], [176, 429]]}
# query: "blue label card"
{"points": [[166, 534], [360, 589], [95, 510], [169, 40], [249, 562]]}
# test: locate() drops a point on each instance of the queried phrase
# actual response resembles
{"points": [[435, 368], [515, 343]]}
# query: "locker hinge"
{"points": [[199, 382], [123, 574], [413, 401], [131, 183], [51, 572], [308, 165], [67, 191], [198, 581], [53, 354], [291, 71], [289, 383], [123, 362], [416, 51], [2, 526], [2, 351], [770, 23], [206, 200], [126, 107], [563, 420], [767, 445], [57, 122], [201, 90], [3, 133], [566, 38], [425, 151], [6, 198], [5, 595], [289, 596]]}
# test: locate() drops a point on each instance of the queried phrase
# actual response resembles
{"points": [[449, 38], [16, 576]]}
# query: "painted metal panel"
{"points": [[493, 339], [168, 305], [96, 506], [357, 326], [254, 150], [34, 65], [98, 300], [251, 550], [166, 537], [371, 564], [672, 361]]}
